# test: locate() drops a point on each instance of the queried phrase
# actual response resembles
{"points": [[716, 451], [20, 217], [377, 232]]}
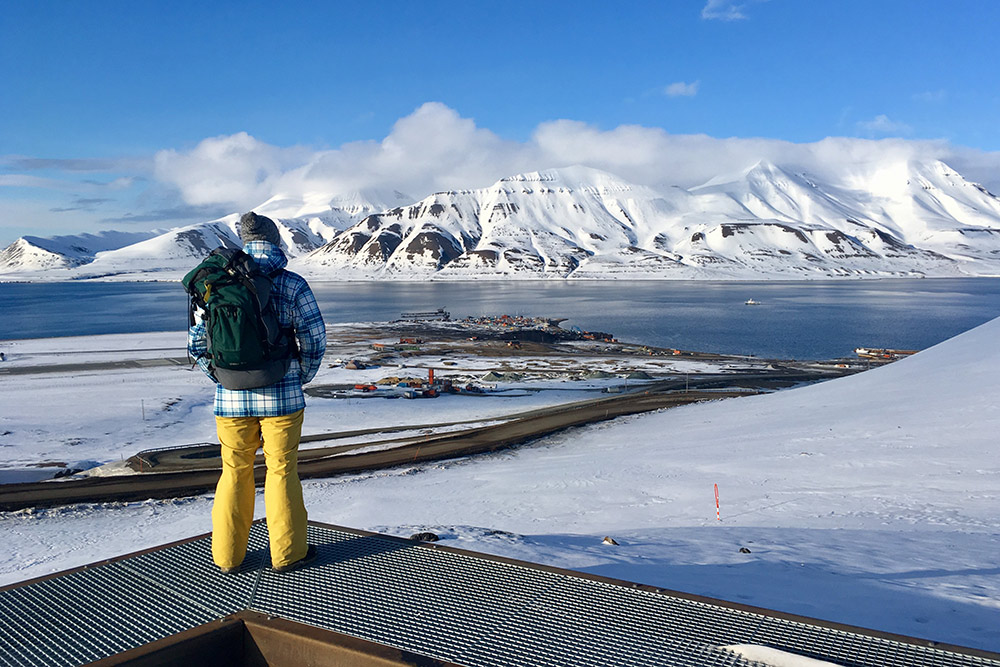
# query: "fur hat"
{"points": [[255, 227]]}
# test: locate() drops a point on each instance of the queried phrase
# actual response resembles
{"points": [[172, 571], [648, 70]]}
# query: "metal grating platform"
{"points": [[443, 603]]}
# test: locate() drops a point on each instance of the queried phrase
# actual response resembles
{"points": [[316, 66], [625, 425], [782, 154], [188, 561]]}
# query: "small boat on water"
{"points": [[751, 302]]}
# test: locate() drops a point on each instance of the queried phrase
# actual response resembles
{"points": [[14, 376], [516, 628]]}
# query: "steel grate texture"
{"points": [[104, 610], [476, 611], [89, 615], [855, 650], [457, 607], [187, 569]]}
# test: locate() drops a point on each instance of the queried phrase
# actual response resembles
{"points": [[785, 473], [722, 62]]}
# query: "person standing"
{"points": [[268, 417]]}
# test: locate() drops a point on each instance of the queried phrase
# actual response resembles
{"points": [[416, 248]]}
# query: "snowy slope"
{"points": [[542, 223], [327, 215], [169, 255], [895, 218], [903, 210], [868, 500], [555, 223], [762, 222], [31, 253], [304, 223]]}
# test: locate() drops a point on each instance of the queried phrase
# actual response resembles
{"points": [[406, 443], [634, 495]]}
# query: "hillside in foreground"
{"points": [[869, 500]]}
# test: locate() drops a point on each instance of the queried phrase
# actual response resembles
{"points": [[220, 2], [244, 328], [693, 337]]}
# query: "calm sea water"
{"points": [[801, 320]]}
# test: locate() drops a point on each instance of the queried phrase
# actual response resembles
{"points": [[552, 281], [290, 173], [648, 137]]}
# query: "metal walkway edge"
{"points": [[447, 604]]}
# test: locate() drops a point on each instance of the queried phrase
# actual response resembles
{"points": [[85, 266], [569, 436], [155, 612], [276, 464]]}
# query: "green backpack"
{"points": [[247, 347]]}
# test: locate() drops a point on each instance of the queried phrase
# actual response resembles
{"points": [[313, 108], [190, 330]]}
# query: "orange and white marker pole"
{"points": [[718, 515]]}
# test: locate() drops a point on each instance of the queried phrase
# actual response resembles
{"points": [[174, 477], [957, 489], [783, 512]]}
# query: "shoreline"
{"points": [[316, 278]]}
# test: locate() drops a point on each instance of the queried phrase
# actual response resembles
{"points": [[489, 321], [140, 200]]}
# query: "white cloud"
{"points": [[64, 184], [121, 183], [70, 165], [28, 181], [435, 148], [724, 10], [229, 169], [882, 124], [681, 89]]}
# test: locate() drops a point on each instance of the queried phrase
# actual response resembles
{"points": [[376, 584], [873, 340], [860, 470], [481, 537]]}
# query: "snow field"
{"points": [[870, 500]]}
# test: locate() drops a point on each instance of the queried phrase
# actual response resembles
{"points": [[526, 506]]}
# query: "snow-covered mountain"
{"points": [[177, 251], [924, 220], [304, 224], [34, 253], [767, 221], [323, 212], [540, 224]]}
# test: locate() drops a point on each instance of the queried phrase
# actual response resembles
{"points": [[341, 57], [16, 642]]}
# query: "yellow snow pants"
{"points": [[232, 512]]}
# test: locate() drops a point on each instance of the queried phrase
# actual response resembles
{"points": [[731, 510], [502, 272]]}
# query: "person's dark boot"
{"points": [[302, 562]]}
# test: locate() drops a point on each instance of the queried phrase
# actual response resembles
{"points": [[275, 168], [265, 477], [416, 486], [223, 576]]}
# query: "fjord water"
{"points": [[800, 320]]}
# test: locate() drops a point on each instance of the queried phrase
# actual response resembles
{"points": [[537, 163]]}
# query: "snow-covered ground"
{"points": [[872, 500]]}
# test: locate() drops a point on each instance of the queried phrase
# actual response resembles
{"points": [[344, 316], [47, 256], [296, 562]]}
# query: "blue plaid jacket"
{"points": [[295, 306]]}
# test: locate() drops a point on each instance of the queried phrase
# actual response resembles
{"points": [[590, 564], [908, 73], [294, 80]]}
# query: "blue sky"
{"points": [[105, 107]]}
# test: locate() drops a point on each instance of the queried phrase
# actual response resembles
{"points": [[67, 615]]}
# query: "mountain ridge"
{"points": [[766, 221]]}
